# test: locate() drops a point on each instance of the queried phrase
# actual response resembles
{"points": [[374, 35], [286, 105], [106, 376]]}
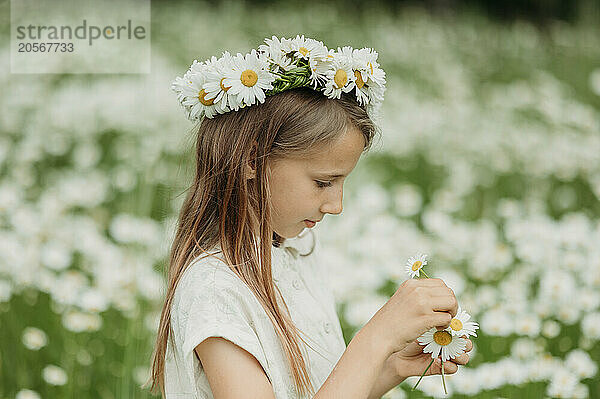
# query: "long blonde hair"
{"points": [[223, 208]]}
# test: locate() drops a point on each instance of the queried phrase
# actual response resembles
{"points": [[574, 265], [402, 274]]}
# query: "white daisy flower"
{"points": [[34, 338], [460, 324], [249, 78], [307, 49], [215, 89], [318, 69], [370, 79], [442, 343], [54, 375], [340, 77], [275, 51], [27, 394], [365, 60], [347, 52], [415, 264], [195, 97], [177, 86], [580, 362], [192, 95]]}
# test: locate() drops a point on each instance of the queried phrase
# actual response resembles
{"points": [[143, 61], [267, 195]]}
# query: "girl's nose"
{"points": [[334, 205]]}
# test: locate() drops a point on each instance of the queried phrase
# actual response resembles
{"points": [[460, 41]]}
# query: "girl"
{"points": [[247, 313]]}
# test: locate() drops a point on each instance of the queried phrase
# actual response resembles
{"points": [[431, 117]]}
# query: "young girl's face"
{"points": [[309, 187]]}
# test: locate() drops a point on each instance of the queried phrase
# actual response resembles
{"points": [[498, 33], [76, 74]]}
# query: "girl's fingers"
{"points": [[444, 303], [469, 344], [421, 282], [462, 359], [441, 319], [449, 367], [430, 282]]}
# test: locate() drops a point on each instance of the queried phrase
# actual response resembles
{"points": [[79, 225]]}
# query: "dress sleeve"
{"points": [[215, 303]]}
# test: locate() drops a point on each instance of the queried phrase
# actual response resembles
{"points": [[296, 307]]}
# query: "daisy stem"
{"points": [[425, 274], [443, 378], [413, 388]]}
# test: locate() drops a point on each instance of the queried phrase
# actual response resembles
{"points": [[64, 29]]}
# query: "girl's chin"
{"points": [[293, 232]]}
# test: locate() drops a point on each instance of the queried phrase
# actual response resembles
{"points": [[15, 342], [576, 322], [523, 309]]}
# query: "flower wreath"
{"points": [[217, 86]]}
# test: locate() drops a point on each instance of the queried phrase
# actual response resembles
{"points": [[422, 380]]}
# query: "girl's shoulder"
{"points": [[208, 271]]}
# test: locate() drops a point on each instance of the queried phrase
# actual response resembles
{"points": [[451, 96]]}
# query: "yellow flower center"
{"points": [[201, 98], [442, 337], [456, 325], [303, 51], [359, 81], [249, 78], [223, 87], [416, 265], [340, 78]]}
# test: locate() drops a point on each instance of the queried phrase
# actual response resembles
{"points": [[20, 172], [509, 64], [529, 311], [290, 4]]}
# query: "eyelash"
{"points": [[321, 184]]}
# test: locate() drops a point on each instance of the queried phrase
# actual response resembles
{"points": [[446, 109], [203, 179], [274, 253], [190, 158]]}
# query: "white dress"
{"points": [[211, 301]]}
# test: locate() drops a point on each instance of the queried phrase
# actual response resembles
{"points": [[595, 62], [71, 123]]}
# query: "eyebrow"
{"points": [[329, 175]]}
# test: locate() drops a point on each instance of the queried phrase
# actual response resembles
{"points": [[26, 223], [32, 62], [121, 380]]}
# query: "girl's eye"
{"points": [[321, 184]]}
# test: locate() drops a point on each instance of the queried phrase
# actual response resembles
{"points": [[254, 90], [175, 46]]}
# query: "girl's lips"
{"points": [[309, 223]]}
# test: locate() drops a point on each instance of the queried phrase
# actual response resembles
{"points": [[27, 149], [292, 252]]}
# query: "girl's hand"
{"points": [[411, 361], [417, 306]]}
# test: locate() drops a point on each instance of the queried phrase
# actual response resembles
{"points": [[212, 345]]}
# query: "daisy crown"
{"points": [[232, 82]]}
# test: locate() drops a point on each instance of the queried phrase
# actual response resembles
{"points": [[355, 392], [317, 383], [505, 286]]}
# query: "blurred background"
{"points": [[489, 163]]}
